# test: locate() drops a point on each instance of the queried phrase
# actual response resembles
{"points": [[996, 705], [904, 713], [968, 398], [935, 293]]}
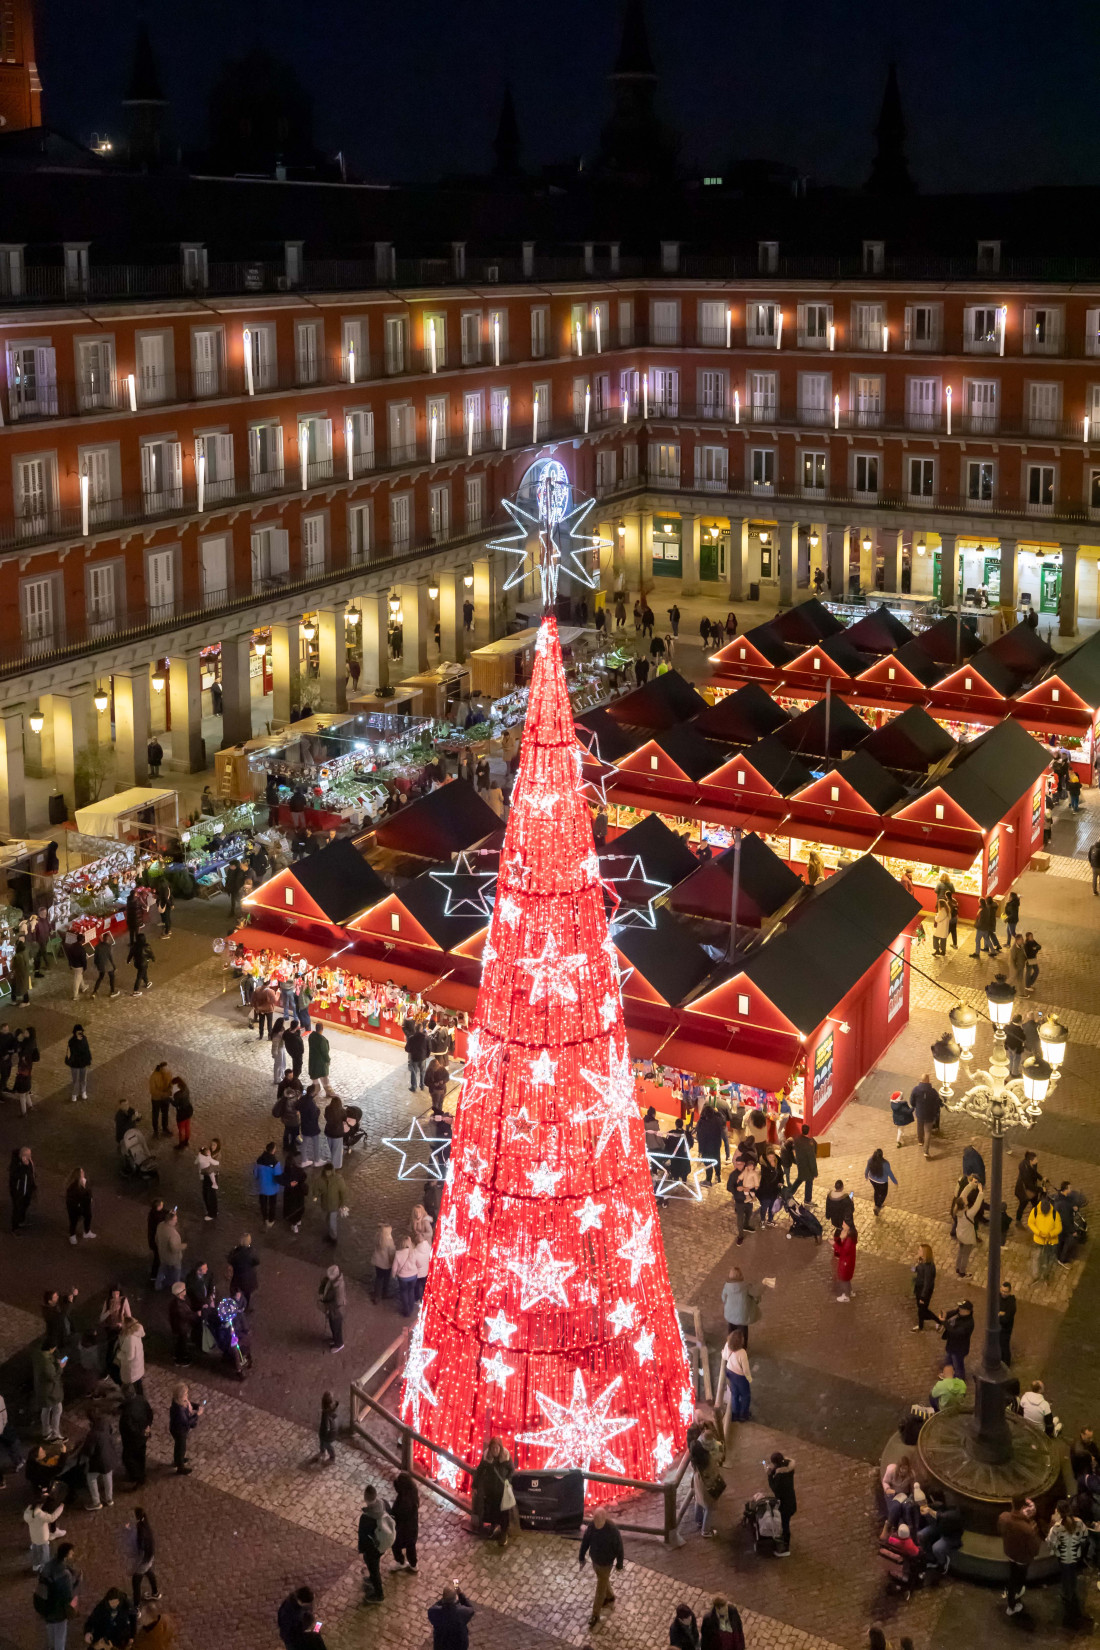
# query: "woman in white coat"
{"points": [[131, 1355]]}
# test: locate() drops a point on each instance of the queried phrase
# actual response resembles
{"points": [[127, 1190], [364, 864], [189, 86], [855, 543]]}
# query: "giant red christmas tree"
{"points": [[548, 1318]]}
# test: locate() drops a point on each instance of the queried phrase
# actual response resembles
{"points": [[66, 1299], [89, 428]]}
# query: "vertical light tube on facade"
{"points": [[836, 412], [303, 452], [737, 406], [729, 327], [84, 496], [779, 329], [249, 377], [587, 405], [496, 340], [504, 422], [596, 323], [200, 472], [131, 384], [433, 430], [351, 362], [645, 395], [948, 393], [349, 444], [1003, 317], [580, 341], [433, 358], [535, 420]]}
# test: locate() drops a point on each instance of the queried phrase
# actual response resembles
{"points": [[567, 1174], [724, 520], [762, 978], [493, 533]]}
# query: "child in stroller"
{"points": [[803, 1221], [763, 1518], [355, 1134], [135, 1157]]}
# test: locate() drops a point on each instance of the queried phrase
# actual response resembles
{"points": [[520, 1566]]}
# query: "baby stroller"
{"points": [[138, 1162], [763, 1519], [356, 1136], [804, 1223]]}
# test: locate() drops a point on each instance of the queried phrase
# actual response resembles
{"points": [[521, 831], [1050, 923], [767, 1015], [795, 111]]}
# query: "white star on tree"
{"points": [[638, 1248], [446, 1471], [579, 1433], [448, 1244], [662, 1452], [550, 973], [545, 803], [542, 1279], [416, 1387], [522, 1127], [543, 1069], [497, 1372], [619, 1099], [477, 1204], [622, 1316], [687, 1406], [508, 910], [544, 1179], [643, 1346], [474, 1162], [589, 1215], [609, 1012], [590, 864], [499, 1329]]}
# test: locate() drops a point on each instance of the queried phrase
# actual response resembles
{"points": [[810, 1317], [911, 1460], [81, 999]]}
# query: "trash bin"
{"points": [[754, 592], [59, 808]]}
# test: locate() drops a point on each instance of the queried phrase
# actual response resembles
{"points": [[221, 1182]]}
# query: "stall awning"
{"points": [[821, 830], [381, 969], [101, 818], [259, 939], [730, 1065], [926, 852]]}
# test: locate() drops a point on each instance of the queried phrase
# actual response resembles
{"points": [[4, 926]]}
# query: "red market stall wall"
{"points": [[875, 1010], [1015, 840]]}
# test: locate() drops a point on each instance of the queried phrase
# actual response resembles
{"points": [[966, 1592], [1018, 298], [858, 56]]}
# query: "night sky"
{"points": [[997, 93]]}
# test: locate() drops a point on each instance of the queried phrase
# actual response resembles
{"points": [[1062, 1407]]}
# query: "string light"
{"points": [[464, 900], [417, 1163]]}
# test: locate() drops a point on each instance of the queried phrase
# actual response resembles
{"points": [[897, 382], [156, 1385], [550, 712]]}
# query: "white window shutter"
{"points": [[280, 552], [46, 365], [256, 543], [174, 455], [148, 475]]}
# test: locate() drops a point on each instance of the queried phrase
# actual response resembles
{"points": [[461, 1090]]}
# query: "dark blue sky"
{"points": [[998, 93]]}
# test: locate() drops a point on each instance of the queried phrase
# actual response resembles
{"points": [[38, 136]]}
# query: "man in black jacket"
{"points": [[721, 1625], [926, 1105], [710, 1138], [603, 1540], [799, 1158], [112, 1624], [839, 1207], [958, 1326], [295, 1620], [135, 1422], [294, 1047], [416, 1051], [371, 1551], [450, 1620]]}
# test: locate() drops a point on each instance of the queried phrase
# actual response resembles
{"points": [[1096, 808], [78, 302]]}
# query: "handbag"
{"points": [[508, 1498]]}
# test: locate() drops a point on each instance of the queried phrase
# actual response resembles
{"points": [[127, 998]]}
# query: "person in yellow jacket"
{"points": [[160, 1092], [1045, 1224]]}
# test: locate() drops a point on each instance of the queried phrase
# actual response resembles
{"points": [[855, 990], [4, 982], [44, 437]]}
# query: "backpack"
{"points": [[385, 1533], [50, 1596]]}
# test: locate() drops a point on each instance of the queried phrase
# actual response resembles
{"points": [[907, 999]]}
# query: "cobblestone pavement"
{"points": [[829, 1380]]}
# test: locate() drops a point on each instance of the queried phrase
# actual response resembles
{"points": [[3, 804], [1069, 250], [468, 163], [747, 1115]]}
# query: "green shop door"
{"points": [[936, 576], [1050, 586], [666, 548]]}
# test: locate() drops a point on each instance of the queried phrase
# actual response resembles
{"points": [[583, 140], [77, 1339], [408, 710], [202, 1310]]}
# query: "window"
{"points": [[989, 257], [814, 321], [359, 428], [760, 323], [867, 320], [664, 462], [206, 360], [356, 364], [1040, 488], [160, 583], [195, 266], [155, 379], [981, 334], [1092, 324], [626, 320], [260, 345], [39, 619], [472, 419], [76, 267], [95, 371], [601, 325], [762, 469], [578, 326], [922, 478], [475, 502], [217, 449], [359, 532], [1042, 330], [980, 405], [763, 395], [767, 257], [630, 461], [396, 345], [866, 473], [712, 469], [664, 392], [605, 471], [402, 432], [307, 351], [665, 321], [712, 323], [498, 405], [434, 331], [313, 545], [540, 330], [874, 257], [1044, 407], [100, 465], [601, 397], [162, 475], [400, 521], [32, 381], [315, 449], [712, 394], [471, 336], [979, 480], [270, 557], [923, 411], [868, 399], [922, 326], [214, 559], [35, 493], [11, 271], [813, 397], [438, 415], [630, 390], [439, 512], [813, 472], [265, 456]]}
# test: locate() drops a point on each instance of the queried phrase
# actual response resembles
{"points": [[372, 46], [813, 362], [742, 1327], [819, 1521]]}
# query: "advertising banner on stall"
{"points": [[993, 862], [1037, 813], [897, 986], [823, 1073]]}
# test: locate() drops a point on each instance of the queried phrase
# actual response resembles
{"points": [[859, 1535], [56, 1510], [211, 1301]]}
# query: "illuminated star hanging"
{"points": [[542, 1279], [579, 1433], [522, 1127], [622, 1316], [544, 1179], [416, 1387], [496, 1370], [448, 1244], [446, 1471], [643, 1346], [662, 1452], [469, 892], [555, 532], [670, 1188], [618, 1102], [422, 1156], [543, 1069], [499, 1329], [550, 973], [477, 1204], [638, 1248], [635, 893], [589, 1215]]}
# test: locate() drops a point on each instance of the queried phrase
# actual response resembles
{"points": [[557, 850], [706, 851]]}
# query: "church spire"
{"points": [[635, 145], [506, 144], [146, 107], [890, 175]]}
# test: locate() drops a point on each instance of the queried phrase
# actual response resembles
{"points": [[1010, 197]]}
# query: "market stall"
{"points": [[139, 814]]}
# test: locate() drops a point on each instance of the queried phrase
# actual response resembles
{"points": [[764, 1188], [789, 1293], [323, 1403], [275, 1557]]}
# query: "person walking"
{"points": [[243, 1265], [19, 972], [740, 1304], [157, 1212], [721, 1628], [735, 1362], [372, 1541], [76, 955], [170, 1248], [901, 1115], [319, 1058], [326, 1430], [840, 1207], [966, 1210], [603, 1539], [416, 1052], [57, 1596], [927, 1105], [958, 1327], [103, 956], [184, 1110], [141, 955], [263, 1006], [265, 1174], [941, 927], [711, 1137], [1022, 1545], [801, 1163], [278, 1051], [160, 1093], [1010, 913], [135, 1424], [41, 1519], [183, 1418], [781, 1485], [78, 1205], [335, 1130], [331, 1194], [844, 1253], [404, 1509], [141, 1549], [1068, 1540], [295, 1183], [405, 1272], [78, 1058], [294, 1046], [879, 1173], [1032, 949], [208, 1163], [166, 900], [450, 1620], [1045, 1225], [1073, 788], [924, 1283], [22, 1186], [332, 1297]]}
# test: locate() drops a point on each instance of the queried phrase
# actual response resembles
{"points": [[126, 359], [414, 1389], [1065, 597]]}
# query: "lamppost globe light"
{"points": [[1053, 1038], [964, 1026], [945, 1060], [815, 538], [468, 580], [1000, 997], [1035, 1076]]}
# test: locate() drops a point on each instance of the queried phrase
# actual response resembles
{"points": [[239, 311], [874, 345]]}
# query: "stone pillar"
{"points": [[1009, 598], [802, 560], [868, 560], [185, 686], [645, 543], [1067, 602], [788, 557], [609, 539], [891, 561], [74, 720], [414, 626], [373, 627], [285, 668], [332, 653], [689, 555], [949, 570], [631, 552], [452, 635], [13, 790], [236, 690], [486, 598], [132, 725], [836, 578], [739, 559]]}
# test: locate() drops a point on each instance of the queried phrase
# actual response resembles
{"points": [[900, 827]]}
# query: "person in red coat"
{"points": [[844, 1248]]}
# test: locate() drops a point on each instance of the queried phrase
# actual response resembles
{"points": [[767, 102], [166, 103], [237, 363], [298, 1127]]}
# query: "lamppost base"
{"points": [[982, 1490]]}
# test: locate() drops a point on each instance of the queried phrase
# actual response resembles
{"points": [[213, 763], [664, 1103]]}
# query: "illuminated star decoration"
{"points": [[643, 1346], [638, 1248], [550, 973], [669, 1186], [496, 1370], [630, 910], [499, 1329], [609, 1012], [508, 910], [446, 1471], [687, 1406], [449, 1245], [469, 892], [422, 1156], [589, 1215], [662, 1452], [542, 1279], [556, 532], [416, 1387], [543, 1069], [477, 1204], [617, 1104], [622, 1315], [579, 1433], [544, 1179], [522, 1127]]}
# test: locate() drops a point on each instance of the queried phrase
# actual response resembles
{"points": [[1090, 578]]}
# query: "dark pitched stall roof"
{"points": [[426, 900], [878, 632], [770, 646], [1023, 651], [615, 739], [339, 880], [767, 883], [665, 854], [830, 940], [920, 663], [667, 956], [992, 670], [913, 742], [843, 652], [806, 733], [942, 640], [440, 825], [1079, 670], [778, 765], [808, 622], [691, 752], [663, 702], [1004, 762], [742, 717], [870, 780]]}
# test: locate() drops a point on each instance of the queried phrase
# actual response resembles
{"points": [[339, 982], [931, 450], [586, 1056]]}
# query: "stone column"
{"points": [[131, 689], [1067, 602], [788, 558], [949, 570], [74, 720], [645, 541], [414, 626], [236, 690], [452, 636], [332, 657], [891, 561], [185, 686], [486, 595], [1009, 598], [739, 559], [689, 555], [802, 560], [285, 668], [374, 626], [13, 790], [839, 545], [868, 561], [631, 552], [605, 565]]}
